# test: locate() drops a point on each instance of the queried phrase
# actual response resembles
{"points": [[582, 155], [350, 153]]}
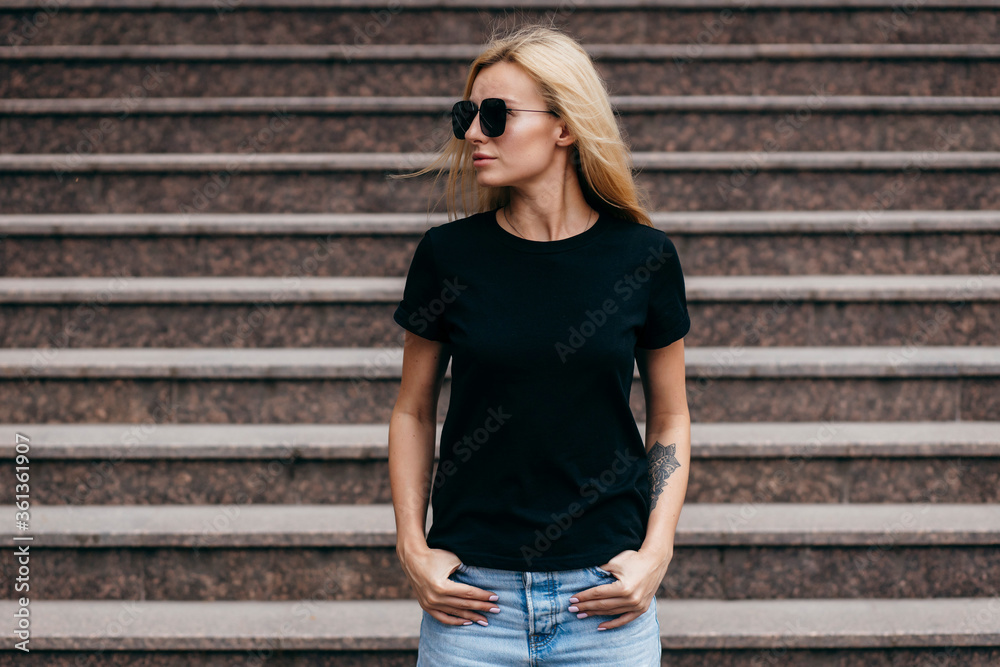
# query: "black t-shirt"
{"points": [[541, 465]]}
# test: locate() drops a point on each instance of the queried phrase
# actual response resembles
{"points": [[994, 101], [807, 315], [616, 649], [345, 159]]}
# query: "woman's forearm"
{"points": [[411, 461], [669, 463]]}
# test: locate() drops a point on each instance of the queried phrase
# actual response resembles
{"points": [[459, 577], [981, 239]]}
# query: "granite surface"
{"points": [[882, 570], [757, 523], [925, 479], [83, 78], [372, 192], [859, 251], [804, 129], [208, 256], [745, 25], [780, 656], [759, 626], [268, 325], [361, 364], [208, 482], [333, 401]]}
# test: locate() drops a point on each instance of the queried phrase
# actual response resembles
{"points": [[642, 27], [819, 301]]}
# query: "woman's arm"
{"points": [[668, 443], [412, 431]]}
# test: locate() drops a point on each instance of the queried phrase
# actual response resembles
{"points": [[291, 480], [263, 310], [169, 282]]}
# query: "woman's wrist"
{"points": [[661, 554], [412, 545]]}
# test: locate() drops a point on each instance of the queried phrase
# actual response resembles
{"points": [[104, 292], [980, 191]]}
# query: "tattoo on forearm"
{"points": [[662, 464]]}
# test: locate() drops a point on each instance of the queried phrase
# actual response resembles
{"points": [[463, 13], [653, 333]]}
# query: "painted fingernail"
{"points": [[493, 598], [495, 610], [573, 607], [602, 628], [574, 599], [582, 614], [484, 623], [467, 623]]}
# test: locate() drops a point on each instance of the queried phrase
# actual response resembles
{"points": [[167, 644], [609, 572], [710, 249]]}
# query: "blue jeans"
{"points": [[535, 627]]}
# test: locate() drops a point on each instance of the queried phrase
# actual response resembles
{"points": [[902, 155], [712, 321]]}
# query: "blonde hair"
{"points": [[572, 87]]}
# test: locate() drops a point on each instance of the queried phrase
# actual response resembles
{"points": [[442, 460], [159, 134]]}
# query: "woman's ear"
{"points": [[566, 137]]}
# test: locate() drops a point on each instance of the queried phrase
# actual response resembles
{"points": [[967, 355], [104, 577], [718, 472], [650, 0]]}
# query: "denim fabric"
{"points": [[535, 627]]}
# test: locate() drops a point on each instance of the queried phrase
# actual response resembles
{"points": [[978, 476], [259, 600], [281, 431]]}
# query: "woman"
{"points": [[552, 523]]}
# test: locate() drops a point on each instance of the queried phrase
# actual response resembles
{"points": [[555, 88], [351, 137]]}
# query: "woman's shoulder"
{"points": [[456, 229], [638, 236], [635, 228]]}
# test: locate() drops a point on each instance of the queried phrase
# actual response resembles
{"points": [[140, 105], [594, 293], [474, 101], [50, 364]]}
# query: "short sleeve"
{"points": [[667, 318], [423, 307]]}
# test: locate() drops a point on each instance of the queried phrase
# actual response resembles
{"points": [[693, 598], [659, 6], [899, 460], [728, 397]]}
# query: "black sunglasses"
{"points": [[492, 116]]}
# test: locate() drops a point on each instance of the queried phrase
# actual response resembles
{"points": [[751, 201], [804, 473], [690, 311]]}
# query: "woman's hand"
{"points": [[639, 576], [448, 601]]}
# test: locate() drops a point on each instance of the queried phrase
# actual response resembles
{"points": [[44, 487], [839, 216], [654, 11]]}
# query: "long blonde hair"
{"points": [[572, 87]]}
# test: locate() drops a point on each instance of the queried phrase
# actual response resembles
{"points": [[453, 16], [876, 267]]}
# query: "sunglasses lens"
{"points": [[461, 117], [493, 116]]}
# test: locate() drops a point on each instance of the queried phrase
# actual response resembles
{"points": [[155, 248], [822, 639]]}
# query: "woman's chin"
{"points": [[485, 181]]}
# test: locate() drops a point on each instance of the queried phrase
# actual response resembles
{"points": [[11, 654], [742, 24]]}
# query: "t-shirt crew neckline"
{"points": [[527, 245]]}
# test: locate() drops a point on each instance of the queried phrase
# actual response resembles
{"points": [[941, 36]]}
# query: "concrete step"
{"points": [[726, 633], [255, 182], [364, 23], [359, 385], [327, 525], [833, 462], [824, 161], [114, 70], [354, 311], [734, 243], [799, 550], [406, 124]]}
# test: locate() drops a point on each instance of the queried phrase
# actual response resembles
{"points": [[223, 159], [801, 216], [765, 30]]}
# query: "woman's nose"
{"points": [[474, 128]]}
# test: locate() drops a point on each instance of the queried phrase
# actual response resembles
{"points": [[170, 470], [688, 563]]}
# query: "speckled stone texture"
{"points": [[470, 24], [193, 193], [268, 324], [779, 656], [803, 129], [371, 400], [882, 570], [331, 401], [218, 481], [264, 324], [220, 574], [716, 480], [275, 657], [843, 480], [853, 252], [78, 78], [205, 256], [808, 190], [371, 192]]}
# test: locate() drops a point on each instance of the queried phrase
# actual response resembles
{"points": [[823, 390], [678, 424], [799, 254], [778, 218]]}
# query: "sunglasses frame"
{"points": [[493, 122]]}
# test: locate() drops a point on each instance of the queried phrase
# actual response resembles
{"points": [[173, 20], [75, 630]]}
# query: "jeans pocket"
{"points": [[462, 567], [600, 571]]}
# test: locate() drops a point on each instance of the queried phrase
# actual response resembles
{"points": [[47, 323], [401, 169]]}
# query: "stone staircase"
{"points": [[200, 253]]}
